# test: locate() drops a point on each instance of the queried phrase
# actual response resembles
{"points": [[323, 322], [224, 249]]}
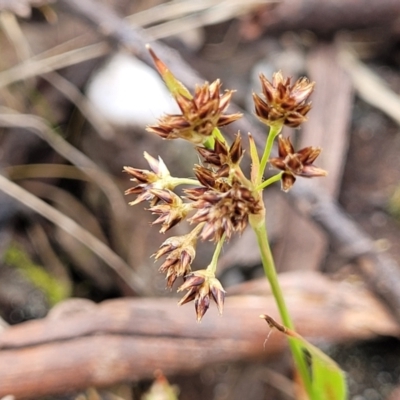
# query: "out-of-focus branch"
{"points": [[85, 345]]}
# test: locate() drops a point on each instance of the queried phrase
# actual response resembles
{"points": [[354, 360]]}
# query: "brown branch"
{"points": [[127, 339]]}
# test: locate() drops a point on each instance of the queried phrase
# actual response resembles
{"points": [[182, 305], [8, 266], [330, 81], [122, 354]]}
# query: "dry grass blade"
{"points": [[14, 32], [74, 229], [212, 12], [49, 257], [41, 128], [36, 66], [370, 87], [185, 15], [22, 7], [72, 93]]}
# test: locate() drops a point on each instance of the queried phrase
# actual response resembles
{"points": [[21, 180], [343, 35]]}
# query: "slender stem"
{"points": [[273, 133], [184, 181], [260, 230], [270, 181], [212, 267]]}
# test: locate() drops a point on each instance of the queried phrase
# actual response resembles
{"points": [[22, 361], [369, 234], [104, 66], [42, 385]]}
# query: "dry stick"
{"points": [[40, 127], [371, 88], [87, 166], [121, 340], [380, 270], [386, 271], [14, 32], [75, 230]]}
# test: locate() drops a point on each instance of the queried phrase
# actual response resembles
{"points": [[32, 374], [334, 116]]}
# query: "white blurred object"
{"points": [[128, 92]]}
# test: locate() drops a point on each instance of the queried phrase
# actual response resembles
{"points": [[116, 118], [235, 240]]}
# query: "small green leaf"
{"points": [[328, 381], [54, 289]]}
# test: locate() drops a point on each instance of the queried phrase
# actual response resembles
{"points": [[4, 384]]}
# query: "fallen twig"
{"points": [[127, 339]]}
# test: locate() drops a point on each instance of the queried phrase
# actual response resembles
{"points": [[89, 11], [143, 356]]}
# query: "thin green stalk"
{"points": [[184, 181], [260, 230], [270, 181], [212, 267], [273, 133]]}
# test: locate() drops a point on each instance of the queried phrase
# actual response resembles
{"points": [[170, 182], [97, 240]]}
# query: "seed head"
{"points": [[283, 103], [201, 285], [181, 252], [292, 163], [200, 115]]}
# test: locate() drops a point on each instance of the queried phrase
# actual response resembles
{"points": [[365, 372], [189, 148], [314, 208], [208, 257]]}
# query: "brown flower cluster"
{"points": [[225, 200], [283, 103], [201, 286], [200, 115], [224, 207], [180, 251], [294, 164], [221, 200]]}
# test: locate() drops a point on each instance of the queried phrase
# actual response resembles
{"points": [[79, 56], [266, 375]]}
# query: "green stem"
{"points": [[270, 181], [258, 224], [184, 181], [212, 267], [273, 133]]}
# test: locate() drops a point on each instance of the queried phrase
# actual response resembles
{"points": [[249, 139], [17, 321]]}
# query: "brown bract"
{"points": [[283, 103], [202, 285], [200, 115], [296, 163]]}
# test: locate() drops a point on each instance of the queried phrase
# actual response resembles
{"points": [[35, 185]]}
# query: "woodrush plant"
{"points": [[222, 200]]}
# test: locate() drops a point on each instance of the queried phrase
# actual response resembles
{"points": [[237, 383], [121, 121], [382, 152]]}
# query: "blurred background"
{"points": [[84, 311]]}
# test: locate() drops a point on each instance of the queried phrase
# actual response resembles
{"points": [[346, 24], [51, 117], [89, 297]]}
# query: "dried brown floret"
{"points": [[158, 178], [224, 157], [283, 103], [200, 115], [201, 285], [296, 163], [171, 211], [180, 251]]}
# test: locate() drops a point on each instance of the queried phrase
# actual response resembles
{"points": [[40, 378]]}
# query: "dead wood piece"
{"points": [[323, 17], [379, 269], [127, 339], [22, 8], [296, 250]]}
